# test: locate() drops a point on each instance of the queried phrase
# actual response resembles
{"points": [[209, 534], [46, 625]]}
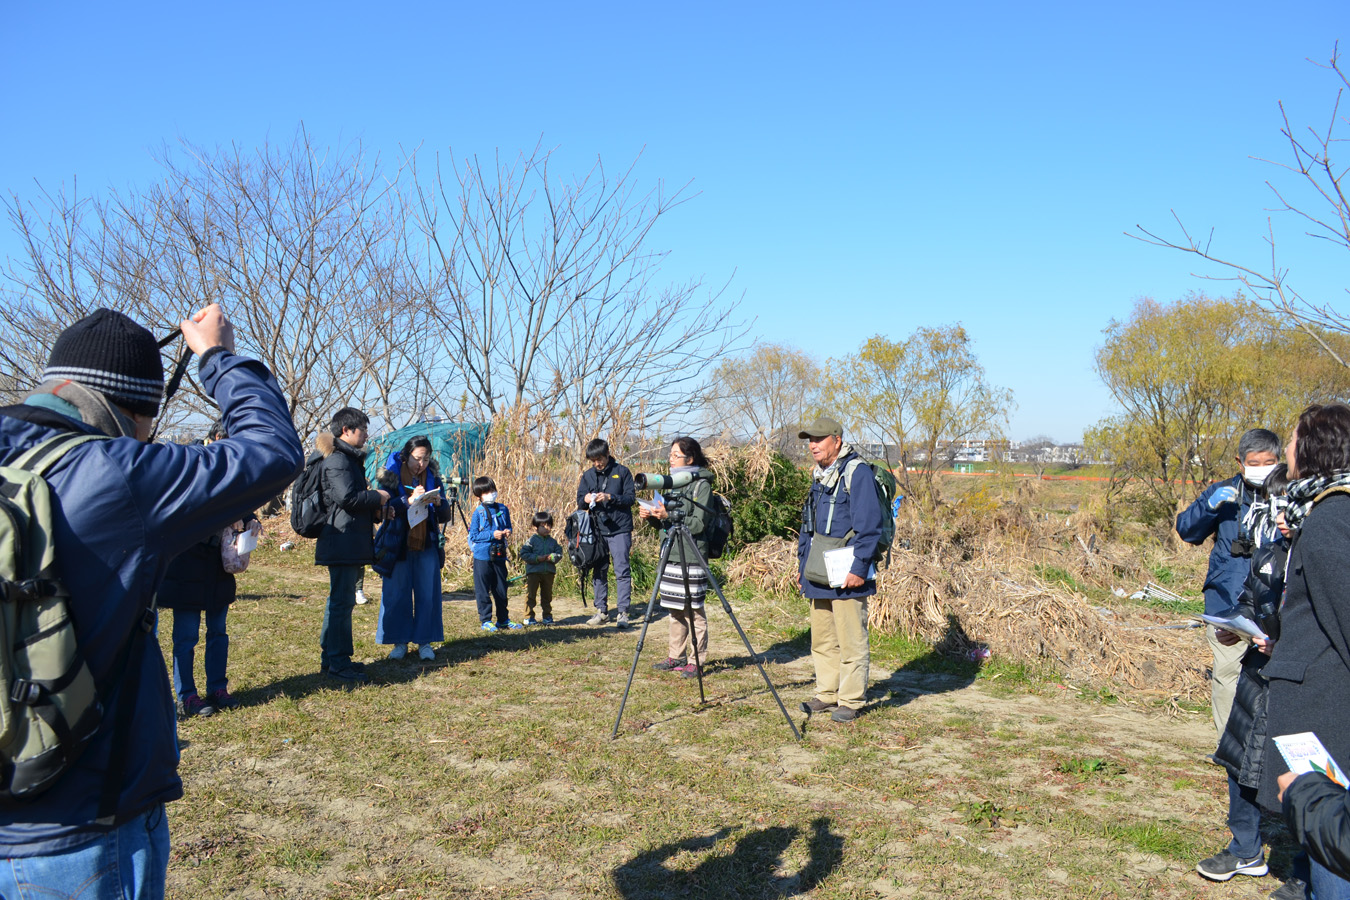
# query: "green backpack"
{"points": [[884, 481], [49, 703]]}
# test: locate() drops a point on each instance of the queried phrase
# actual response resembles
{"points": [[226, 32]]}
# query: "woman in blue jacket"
{"points": [[410, 603]]}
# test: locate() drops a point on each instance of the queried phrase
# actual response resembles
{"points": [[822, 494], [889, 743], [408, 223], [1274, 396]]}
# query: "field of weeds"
{"points": [[491, 772]]}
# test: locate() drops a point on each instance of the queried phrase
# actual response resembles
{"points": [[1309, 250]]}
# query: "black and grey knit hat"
{"points": [[108, 352]]}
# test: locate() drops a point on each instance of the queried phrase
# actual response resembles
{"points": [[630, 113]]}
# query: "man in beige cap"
{"points": [[842, 510]]}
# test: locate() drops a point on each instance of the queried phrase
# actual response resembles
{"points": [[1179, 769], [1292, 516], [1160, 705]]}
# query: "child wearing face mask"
{"points": [[489, 528]]}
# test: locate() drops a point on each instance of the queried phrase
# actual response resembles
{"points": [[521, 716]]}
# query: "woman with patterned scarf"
{"points": [[410, 603], [1309, 672]]}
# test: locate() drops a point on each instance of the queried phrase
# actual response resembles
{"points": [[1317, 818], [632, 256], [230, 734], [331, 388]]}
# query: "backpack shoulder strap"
{"points": [[42, 456], [1341, 489]]}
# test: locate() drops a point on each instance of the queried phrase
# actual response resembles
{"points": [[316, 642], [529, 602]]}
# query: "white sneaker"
{"points": [[426, 651], [598, 619], [399, 651], [361, 598]]}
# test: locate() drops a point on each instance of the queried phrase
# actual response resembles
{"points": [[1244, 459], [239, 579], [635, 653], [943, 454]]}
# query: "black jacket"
{"points": [[1309, 672], [613, 516], [1318, 812], [197, 580], [347, 536], [1243, 743]]}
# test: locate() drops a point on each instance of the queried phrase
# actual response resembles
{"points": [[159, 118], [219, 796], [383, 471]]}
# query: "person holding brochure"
{"points": [[842, 511], [1218, 513], [410, 603], [1309, 670]]}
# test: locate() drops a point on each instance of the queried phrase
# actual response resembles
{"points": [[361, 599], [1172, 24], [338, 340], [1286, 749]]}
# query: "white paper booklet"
{"points": [[1303, 753], [245, 541], [838, 563]]}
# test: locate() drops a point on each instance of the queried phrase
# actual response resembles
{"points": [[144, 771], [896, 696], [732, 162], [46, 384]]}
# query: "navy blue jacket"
{"points": [[123, 510], [1227, 573], [858, 509], [613, 516]]}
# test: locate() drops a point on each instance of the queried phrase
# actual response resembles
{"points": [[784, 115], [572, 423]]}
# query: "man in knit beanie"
{"points": [[108, 367], [124, 508]]}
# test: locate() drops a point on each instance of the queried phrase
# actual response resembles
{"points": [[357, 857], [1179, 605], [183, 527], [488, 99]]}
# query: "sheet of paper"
{"points": [[1303, 753], [245, 541], [837, 565], [417, 512], [653, 504], [1242, 626], [431, 496]]}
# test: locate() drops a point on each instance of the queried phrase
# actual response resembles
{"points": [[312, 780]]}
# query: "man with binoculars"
{"points": [[842, 515], [607, 489]]}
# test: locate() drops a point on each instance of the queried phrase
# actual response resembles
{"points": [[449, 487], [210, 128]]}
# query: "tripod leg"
{"points": [[712, 580], [642, 636]]}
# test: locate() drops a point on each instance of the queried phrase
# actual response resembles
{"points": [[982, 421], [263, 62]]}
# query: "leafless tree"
{"points": [[769, 392], [1325, 217], [302, 245], [545, 295]]}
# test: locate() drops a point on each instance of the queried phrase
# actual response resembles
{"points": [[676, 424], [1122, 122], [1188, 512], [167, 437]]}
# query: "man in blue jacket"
{"points": [[124, 509], [842, 511], [1218, 512]]}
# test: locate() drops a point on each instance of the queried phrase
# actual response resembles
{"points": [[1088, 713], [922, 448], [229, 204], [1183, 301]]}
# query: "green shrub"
{"points": [[768, 507]]}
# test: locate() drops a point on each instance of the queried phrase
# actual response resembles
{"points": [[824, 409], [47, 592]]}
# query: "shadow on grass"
{"points": [[458, 651], [747, 871], [948, 666]]}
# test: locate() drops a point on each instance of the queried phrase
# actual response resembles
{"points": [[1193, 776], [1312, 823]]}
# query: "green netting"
{"points": [[457, 447]]}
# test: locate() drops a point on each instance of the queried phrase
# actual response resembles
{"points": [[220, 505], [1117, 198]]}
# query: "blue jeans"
{"points": [[1326, 886], [186, 627], [335, 639], [1244, 821], [620, 547], [410, 604], [127, 863], [489, 587]]}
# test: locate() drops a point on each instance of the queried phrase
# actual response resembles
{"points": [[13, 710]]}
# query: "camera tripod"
{"points": [[678, 535]]}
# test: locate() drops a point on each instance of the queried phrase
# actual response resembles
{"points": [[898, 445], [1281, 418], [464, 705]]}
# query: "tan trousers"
{"points": [[840, 650], [679, 633], [1223, 677]]}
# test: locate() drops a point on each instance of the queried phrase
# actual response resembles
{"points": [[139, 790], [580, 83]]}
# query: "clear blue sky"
{"points": [[863, 167]]}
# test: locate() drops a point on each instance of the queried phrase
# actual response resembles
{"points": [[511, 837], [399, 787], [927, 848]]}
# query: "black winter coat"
{"points": [[613, 516], [1309, 672], [1318, 812], [1242, 746], [347, 536], [197, 580]]}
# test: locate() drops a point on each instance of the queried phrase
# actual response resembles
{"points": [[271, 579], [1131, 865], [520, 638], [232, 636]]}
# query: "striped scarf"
{"points": [[1303, 493]]}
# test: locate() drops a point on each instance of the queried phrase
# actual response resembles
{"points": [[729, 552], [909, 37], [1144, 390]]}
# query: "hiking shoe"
{"points": [[548, 620], [599, 618], [1224, 865], [530, 620], [669, 664], [361, 598], [689, 671], [843, 714], [622, 621], [1293, 889], [223, 699], [192, 705], [349, 674], [399, 651], [489, 626], [426, 651], [513, 625], [815, 705]]}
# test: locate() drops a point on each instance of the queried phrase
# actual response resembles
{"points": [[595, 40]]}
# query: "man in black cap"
{"points": [[843, 513], [123, 509]]}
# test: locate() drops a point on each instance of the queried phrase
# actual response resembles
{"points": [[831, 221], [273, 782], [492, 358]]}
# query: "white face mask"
{"points": [[1256, 475], [490, 497]]}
